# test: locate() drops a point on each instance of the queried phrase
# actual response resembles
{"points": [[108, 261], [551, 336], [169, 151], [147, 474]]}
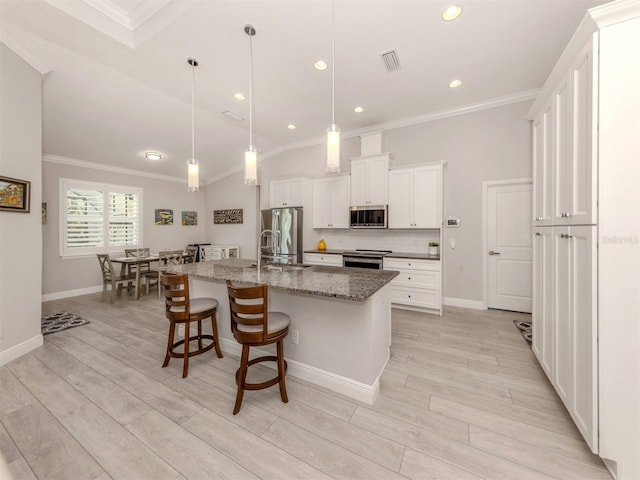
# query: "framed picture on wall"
{"points": [[15, 195], [189, 218], [164, 216]]}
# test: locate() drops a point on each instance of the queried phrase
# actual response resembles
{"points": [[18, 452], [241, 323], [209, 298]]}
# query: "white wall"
{"points": [[74, 274], [492, 144], [232, 193], [20, 233]]}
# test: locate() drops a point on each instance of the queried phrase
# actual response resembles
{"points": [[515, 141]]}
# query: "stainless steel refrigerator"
{"points": [[282, 241]]}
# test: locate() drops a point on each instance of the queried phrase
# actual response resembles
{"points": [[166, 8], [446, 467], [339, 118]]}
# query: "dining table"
{"points": [[138, 261]]}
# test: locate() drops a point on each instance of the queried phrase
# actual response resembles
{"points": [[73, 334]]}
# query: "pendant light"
{"points": [[250, 153], [193, 169], [333, 132]]}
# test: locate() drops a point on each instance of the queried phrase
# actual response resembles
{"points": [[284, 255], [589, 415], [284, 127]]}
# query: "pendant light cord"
{"points": [[333, 61], [193, 112], [250, 91]]}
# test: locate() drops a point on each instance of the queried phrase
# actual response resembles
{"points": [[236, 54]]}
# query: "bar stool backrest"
{"points": [[249, 306], [176, 296]]}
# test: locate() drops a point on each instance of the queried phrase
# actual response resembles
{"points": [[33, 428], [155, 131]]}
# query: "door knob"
{"points": [[491, 252]]}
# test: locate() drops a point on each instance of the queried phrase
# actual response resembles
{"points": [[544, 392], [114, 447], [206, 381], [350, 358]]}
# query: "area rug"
{"points": [[525, 329], [60, 321]]}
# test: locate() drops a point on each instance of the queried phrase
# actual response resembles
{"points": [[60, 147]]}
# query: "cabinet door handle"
{"points": [[491, 252], [538, 234], [409, 278], [538, 219]]}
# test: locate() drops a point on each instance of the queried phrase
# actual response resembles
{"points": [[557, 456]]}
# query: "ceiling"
{"points": [[118, 81]]}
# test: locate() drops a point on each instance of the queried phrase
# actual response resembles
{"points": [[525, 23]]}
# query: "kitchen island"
{"points": [[342, 317]]}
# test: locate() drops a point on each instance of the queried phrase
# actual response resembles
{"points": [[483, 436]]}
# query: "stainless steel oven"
{"points": [[371, 259]]}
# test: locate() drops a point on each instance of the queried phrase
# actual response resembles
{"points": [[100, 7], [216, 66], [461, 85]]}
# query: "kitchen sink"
{"points": [[286, 268]]}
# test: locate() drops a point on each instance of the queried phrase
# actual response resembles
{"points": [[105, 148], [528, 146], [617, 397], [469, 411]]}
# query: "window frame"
{"points": [[105, 189]]}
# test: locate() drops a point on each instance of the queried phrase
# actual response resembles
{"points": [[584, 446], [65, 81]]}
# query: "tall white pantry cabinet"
{"points": [[586, 230]]}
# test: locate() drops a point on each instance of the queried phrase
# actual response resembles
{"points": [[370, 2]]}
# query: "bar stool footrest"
{"points": [[193, 353], [265, 384]]}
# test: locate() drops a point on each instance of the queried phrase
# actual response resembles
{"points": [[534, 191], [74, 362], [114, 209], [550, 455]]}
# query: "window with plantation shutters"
{"points": [[99, 218]]}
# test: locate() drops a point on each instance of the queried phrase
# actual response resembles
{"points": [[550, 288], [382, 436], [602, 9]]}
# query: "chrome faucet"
{"points": [[274, 234]]}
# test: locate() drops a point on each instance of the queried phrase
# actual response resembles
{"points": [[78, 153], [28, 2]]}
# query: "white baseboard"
{"points": [[71, 293], [20, 349], [465, 303], [337, 383]]}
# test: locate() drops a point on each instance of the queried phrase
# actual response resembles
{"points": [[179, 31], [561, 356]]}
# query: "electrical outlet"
{"points": [[295, 336]]}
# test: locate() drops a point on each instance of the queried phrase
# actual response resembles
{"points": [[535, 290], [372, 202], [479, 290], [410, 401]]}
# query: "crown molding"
{"points": [[109, 168], [24, 53], [406, 122], [615, 12]]}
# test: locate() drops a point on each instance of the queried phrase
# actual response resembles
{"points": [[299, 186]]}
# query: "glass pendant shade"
{"points": [[333, 149], [250, 166], [193, 175]]}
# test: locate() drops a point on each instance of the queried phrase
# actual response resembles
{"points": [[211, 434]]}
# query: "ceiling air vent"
{"points": [[391, 62], [232, 116]]}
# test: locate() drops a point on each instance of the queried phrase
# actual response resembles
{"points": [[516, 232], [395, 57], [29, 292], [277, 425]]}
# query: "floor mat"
{"points": [[525, 329], [60, 321]]}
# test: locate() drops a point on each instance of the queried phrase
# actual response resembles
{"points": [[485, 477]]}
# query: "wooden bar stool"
{"points": [[181, 309], [253, 326]]}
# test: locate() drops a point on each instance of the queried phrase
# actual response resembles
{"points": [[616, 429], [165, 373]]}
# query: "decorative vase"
{"points": [[322, 245], [434, 250]]}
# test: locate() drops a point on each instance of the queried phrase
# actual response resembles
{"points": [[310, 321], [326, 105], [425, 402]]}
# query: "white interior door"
{"points": [[509, 248]]}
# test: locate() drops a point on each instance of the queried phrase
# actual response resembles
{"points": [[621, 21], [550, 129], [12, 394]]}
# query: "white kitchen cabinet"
{"points": [[542, 139], [563, 166], [415, 197], [543, 295], [331, 197], [369, 180], [332, 259], [419, 284], [594, 293], [288, 192], [564, 318]]}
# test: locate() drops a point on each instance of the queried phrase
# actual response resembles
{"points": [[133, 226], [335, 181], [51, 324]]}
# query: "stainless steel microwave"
{"points": [[370, 216]]}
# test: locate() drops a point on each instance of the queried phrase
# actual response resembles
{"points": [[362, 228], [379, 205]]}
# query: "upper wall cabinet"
{"points": [[563, 146], [331, 202], [288, 192], [415, 197], [369, 180]]}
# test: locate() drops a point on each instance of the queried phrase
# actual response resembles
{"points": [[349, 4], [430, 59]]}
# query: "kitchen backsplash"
{"points": [[411, 241]]}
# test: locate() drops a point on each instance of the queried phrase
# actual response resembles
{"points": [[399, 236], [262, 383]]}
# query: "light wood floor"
{"points": [[461, 398]]}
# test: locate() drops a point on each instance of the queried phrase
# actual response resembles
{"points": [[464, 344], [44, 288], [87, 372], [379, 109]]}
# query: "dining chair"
{"points": [[253, 325], [165, 257], [144, 267], [109, 277], [181, 309]]}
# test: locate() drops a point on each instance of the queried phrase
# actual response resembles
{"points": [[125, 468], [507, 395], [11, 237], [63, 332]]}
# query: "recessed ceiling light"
{"points": [[153, 155], [455, 83], [291, 126], [451, 13], [320, 65], [239, 96], [358, 109]]}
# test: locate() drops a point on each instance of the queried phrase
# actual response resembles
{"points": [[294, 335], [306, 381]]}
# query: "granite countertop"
{"points": [[355, 284], [421, 256]]}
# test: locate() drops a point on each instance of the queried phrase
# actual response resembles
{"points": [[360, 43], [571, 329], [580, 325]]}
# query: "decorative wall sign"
{"points": [[228, 216], [189, 218], [164, 216], [14, 195]]}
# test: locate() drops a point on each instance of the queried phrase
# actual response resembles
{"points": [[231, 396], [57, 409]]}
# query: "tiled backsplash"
{"points": [[411, 241]]}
